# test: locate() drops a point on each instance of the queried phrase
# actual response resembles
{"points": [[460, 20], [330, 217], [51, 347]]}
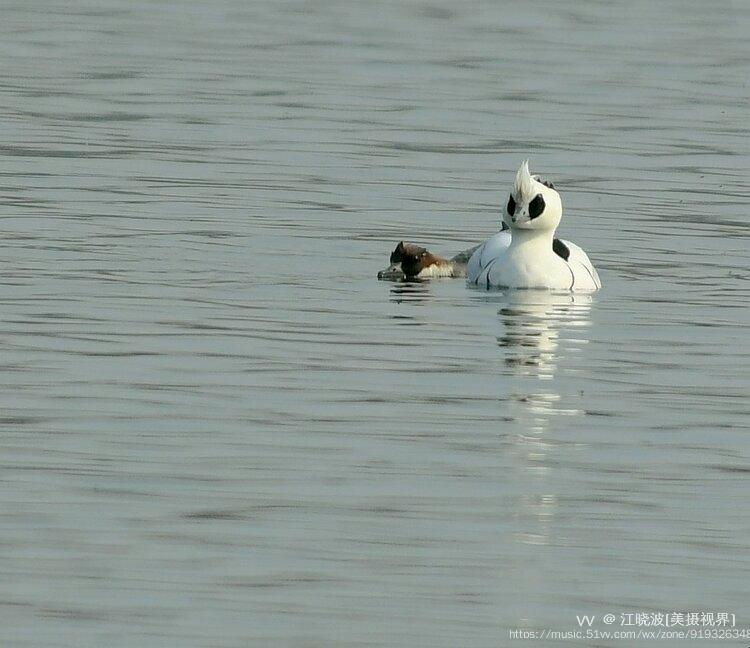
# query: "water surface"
{"points": [[219, 429]]}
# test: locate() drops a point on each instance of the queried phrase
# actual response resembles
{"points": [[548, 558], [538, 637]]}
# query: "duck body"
{"points": [[410, 261], [496, 263], [527, 255]]}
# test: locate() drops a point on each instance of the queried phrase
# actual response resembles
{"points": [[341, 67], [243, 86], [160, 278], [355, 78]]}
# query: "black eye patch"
{"points": [[536, 206], [511, 206]]}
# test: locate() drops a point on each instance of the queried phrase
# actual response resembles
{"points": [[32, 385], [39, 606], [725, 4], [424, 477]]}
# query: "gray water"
{"points": [[219, 429]]}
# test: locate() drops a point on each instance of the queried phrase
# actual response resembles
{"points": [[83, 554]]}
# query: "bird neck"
{"points": [[531, 241]]}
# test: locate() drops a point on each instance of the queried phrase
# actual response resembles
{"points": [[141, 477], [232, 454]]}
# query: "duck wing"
{"points": [[485, 255], [585, 275]]}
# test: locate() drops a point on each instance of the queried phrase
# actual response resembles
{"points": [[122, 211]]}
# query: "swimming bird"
{"points": [[410, 261], [528, 255]]}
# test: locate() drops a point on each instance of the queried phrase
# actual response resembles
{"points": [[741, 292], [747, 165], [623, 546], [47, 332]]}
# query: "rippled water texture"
{"points": [[219, 429]]}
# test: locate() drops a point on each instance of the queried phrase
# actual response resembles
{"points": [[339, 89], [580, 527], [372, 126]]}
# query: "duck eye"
{"points": [[511, 205], [536, 206]]}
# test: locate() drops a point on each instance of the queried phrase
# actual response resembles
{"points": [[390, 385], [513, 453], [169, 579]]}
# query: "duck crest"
{"points": [[523, 187]]}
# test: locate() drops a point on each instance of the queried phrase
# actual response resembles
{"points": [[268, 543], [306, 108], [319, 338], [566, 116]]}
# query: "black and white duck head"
{"points": [[533, 204]]}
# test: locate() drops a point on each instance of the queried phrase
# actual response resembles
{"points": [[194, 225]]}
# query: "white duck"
{"points": [[527, 255]]}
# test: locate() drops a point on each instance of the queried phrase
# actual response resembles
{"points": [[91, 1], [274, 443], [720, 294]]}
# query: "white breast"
{"points": [[492, 265]]}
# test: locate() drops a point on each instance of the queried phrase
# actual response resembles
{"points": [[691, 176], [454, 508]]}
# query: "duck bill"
{"points": [[392, 273]]}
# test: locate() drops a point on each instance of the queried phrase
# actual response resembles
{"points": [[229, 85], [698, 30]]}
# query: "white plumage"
{"points": [[527, 255]]}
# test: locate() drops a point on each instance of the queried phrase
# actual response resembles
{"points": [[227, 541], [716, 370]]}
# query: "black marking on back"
{"points": [[560, 249], [536, 206], [546, 183]]}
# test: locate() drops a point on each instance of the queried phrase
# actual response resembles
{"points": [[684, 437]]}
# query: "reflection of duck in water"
{"points": [[532, 322], [524, 254]]}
